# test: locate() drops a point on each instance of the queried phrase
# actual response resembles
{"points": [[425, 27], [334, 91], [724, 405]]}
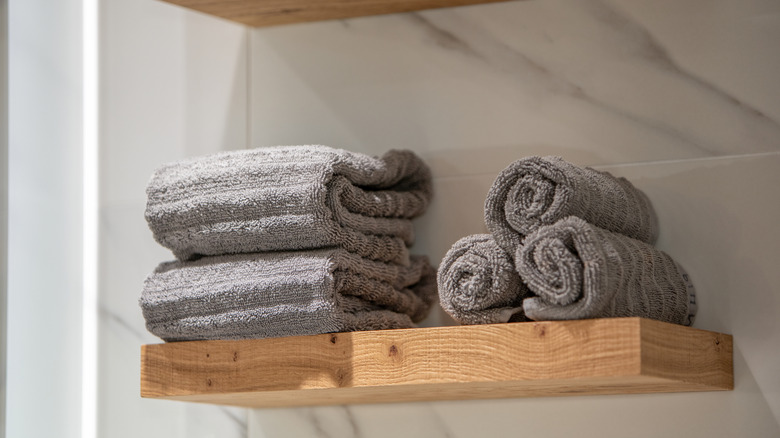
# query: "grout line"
{"points": [[687, 160], [624, 164]]}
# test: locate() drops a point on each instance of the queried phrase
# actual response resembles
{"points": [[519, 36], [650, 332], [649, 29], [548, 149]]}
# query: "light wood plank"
{"points": [[697, 358], [604, 356], [274, 12]]}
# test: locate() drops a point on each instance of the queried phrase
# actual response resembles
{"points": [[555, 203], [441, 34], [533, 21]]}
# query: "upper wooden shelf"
{"points": [[603, 356], [273, 12]]}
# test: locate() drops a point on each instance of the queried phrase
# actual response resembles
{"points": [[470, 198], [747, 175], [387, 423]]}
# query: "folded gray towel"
{"points": [[289, 198], [538, 191], [478, 283], [581, 271], [264, 295]]}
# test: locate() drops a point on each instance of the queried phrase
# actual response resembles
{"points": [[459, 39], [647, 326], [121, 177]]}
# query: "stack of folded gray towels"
{"points": [[287, 241], [565, 243]]}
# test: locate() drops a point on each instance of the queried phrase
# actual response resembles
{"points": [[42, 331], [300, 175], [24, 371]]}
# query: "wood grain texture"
{"points": [[274, 12], [602, 356]]}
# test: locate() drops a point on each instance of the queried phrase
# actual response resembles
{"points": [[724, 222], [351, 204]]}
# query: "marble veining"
{"points": [[238, 417], [636, 44], [360, 421], [589, 79], [117, 322], [333, 422]]}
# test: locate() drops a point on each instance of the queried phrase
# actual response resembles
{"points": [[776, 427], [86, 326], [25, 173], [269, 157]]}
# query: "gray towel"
{"points": [[478, 283], [264, 295], [289, 198], [538, 191], [581, 271]]}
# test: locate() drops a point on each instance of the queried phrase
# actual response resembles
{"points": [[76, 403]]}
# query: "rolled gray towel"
{"points": [[289, 198], [537, 191], [263, 295], [581, 271], [478, 283]]}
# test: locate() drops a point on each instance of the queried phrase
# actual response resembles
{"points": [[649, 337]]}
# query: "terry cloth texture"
{"points": [[263, 295], [289, 198], [478, 283], [537, 191], [581, 271]]}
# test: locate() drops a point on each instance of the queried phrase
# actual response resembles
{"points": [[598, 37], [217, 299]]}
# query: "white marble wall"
{"points": [[678, 96], [681, 97], [173, 84]]}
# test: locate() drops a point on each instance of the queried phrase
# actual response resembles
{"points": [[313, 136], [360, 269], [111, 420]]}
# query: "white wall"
{"points": [[679, 97], [173, 84], [44, 219]]}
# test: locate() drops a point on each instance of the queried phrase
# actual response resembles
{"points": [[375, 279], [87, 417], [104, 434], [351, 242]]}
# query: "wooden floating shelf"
{"points": [[601, 356], [274, 12]]}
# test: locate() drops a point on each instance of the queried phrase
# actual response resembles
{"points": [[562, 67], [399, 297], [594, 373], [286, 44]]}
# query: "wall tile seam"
{"points": [[687, 160], [471, 175]]}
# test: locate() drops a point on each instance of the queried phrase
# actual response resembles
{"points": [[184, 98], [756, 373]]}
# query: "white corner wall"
{"points": [[173, 85]]}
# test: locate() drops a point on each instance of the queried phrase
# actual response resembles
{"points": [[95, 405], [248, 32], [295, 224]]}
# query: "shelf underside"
{"points": [[606, 356], [274, 12]]}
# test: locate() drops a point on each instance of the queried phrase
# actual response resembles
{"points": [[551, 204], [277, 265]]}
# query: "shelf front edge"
{"points": [[604, 356]]}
